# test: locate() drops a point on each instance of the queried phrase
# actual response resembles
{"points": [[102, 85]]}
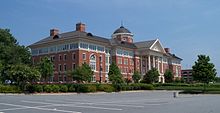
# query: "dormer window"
{"points": [[56, 37]]}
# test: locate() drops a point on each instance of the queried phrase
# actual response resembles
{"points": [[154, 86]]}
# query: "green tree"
{"points": [[217, 79], [82, 73], [11, 53], [203, 70], [168, 75], [136, 76], [45, 67], [151, 76], [22, 74], [115, 76]]}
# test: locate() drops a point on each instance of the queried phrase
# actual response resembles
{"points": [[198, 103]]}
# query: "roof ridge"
{"points": [[145, 41]]}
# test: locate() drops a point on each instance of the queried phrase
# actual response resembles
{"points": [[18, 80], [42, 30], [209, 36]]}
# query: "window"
{"points": [[106, 60], [177, 71], [65, 57], [93, 62], [126, 70], [60, 57], [106, 51], [52, 58], [74, 46], [99, 48], [119, 60], [43, 50], [106, 68], [131, 62], [60, 67], [34, 51], [164, 59], [64, 67], [92, 47], [73, 56], [119, 52], [93, 78], [84, 56], [126, 61], [131, 54], [83, 45], [100, 58], [66, 47], [62, 47], [52, 49], [74, 66], [125, 53]]}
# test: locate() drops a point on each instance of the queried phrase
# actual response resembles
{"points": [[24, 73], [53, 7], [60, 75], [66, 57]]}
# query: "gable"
{"points": [[157, 46]]}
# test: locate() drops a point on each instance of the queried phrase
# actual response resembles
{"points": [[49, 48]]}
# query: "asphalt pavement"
{"points": [[121, 102]]}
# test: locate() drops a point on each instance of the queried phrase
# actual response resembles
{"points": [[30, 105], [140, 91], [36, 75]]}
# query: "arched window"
{"points": [[93, 62]]}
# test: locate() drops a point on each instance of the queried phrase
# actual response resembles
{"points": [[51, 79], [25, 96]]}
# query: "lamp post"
{"points": [[100, 69]]}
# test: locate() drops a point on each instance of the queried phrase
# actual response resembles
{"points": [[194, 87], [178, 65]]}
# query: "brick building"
{"points": [[186, 75], [71, 49]]}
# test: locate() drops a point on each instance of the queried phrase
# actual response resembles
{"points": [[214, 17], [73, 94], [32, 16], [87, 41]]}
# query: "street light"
{"points": [[100, 70]]}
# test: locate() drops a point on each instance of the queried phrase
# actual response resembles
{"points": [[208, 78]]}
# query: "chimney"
{"points": [[54, 32], [80, 27], [167, 50]]}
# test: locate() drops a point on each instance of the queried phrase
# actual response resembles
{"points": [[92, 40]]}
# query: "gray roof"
{"points": [[174, 56], [122, 29], [145, 44], [122, 44], [71, 35]]}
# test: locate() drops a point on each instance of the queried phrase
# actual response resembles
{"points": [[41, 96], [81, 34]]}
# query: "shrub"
{"points": [[47, 88], [91, 88], [30, 88], [9, 89], [63, 88], [86, 88], [141, 86], [71, 88], [38, 88], [147, 87], [105, 88], [55, 88]]}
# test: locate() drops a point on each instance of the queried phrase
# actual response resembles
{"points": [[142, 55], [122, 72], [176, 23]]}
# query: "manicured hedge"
{"points": [[63, 88], [187, 87], [105, 87], [141, 86], [9, 89], [79, 88]]}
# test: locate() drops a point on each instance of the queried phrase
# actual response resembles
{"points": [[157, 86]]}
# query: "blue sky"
{"points": [[188, 27]]}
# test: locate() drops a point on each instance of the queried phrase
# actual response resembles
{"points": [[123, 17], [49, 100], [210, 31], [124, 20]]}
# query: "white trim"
{"points": [[113, 35], [157, 40]]}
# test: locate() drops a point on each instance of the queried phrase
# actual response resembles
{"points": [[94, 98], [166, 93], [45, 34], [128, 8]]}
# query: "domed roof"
{"points": [[122, 29]]}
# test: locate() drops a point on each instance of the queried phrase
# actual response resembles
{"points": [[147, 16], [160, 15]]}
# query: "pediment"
{"points": [[157, 46]]}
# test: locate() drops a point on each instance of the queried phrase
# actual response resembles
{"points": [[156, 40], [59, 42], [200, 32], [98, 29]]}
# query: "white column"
{"points": [[162, 65], [146, 64], [158, 66], [149, 62], [154, 61]]}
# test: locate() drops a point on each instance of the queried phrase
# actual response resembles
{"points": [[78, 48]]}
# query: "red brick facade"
{"points": [[72, 49]]}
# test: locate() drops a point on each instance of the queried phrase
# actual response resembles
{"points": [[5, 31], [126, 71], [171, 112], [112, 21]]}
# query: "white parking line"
{"points": [[72, 105], [39, 108], [11, 109], [92, 103]]}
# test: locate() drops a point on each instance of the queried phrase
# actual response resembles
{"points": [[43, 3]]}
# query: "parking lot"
{"points": [[122, 102]]}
